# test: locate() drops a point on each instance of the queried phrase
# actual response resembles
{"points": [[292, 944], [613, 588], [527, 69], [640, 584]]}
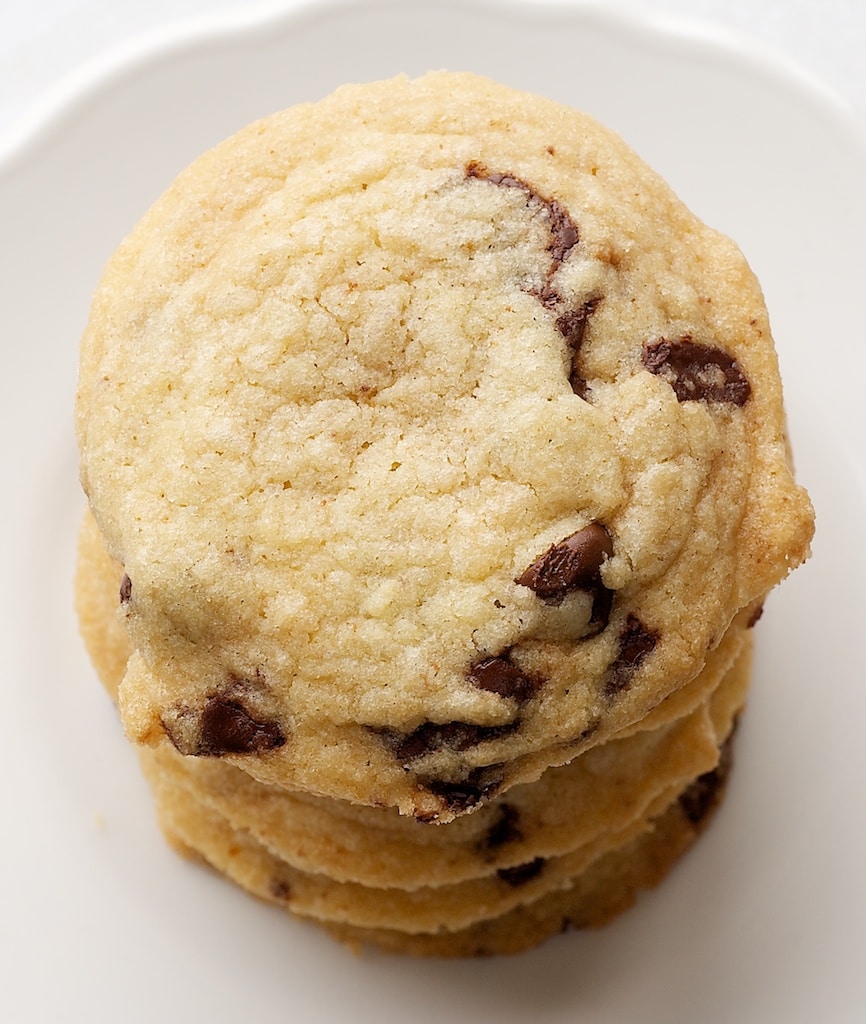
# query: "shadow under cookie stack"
{"points": [[437, 475]]}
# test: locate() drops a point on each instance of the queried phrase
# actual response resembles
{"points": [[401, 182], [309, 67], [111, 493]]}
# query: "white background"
{"points": [[42, 42]]}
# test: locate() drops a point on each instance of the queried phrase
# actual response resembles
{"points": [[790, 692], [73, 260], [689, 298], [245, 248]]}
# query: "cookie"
{"points": [[438, 441], [97, 594], [567, 808], [448, 918], [606, 889], [367, 870], [429, 910], [600, 791]]}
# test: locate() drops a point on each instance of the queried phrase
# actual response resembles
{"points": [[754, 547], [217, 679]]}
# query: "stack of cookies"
{"points": [[437, 473]]}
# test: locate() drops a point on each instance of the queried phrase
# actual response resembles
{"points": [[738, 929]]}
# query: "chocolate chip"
{"points": [[563, 230], [434, 736], [520, 874], [460, 796], [572, 326], [703, 795], [475, 170], [572, 564], [504, 830], [636, 641], [602, 603], [280, 890], [227, 727], [697, 372], [500, 675], [564, 235], [125, 589]]}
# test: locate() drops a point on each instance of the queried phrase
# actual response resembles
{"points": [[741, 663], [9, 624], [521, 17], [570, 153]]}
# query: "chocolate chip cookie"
{"points": [[431, 428], [601, 791], [437, 472]]}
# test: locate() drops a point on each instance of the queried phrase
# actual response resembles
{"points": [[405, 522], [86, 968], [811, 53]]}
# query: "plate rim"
{"points": [[46, 115]]}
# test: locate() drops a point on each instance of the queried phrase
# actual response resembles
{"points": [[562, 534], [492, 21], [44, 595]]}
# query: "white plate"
{"points": [[765, 920]]}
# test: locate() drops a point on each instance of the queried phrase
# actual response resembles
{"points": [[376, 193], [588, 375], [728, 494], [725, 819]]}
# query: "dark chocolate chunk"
{"points": [[504, 830], [703, 795], [602, 602], [500, 675], [433, 736], [697, 372], [520, 874], [125, 589], [460, 796], [636, 641], [572, 564], [227, 727]]}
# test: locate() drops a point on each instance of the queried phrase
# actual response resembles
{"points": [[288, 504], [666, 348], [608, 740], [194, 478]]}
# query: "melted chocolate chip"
{"points": [[227, 727], [280, 890], [500, 675], [433, 736], [572, 326], [125, 589], [702, 796], [520, 874], [460, 796], [574, 564], [564, 235], [475, 170], [504, 830], [697, 372], [635, 643], [602, 602]]}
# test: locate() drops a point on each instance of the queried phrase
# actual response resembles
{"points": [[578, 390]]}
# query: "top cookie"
{"points": [[430, 428]]}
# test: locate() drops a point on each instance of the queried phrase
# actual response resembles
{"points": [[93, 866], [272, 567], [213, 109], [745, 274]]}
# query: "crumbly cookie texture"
{"points": [[437, 440]]}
